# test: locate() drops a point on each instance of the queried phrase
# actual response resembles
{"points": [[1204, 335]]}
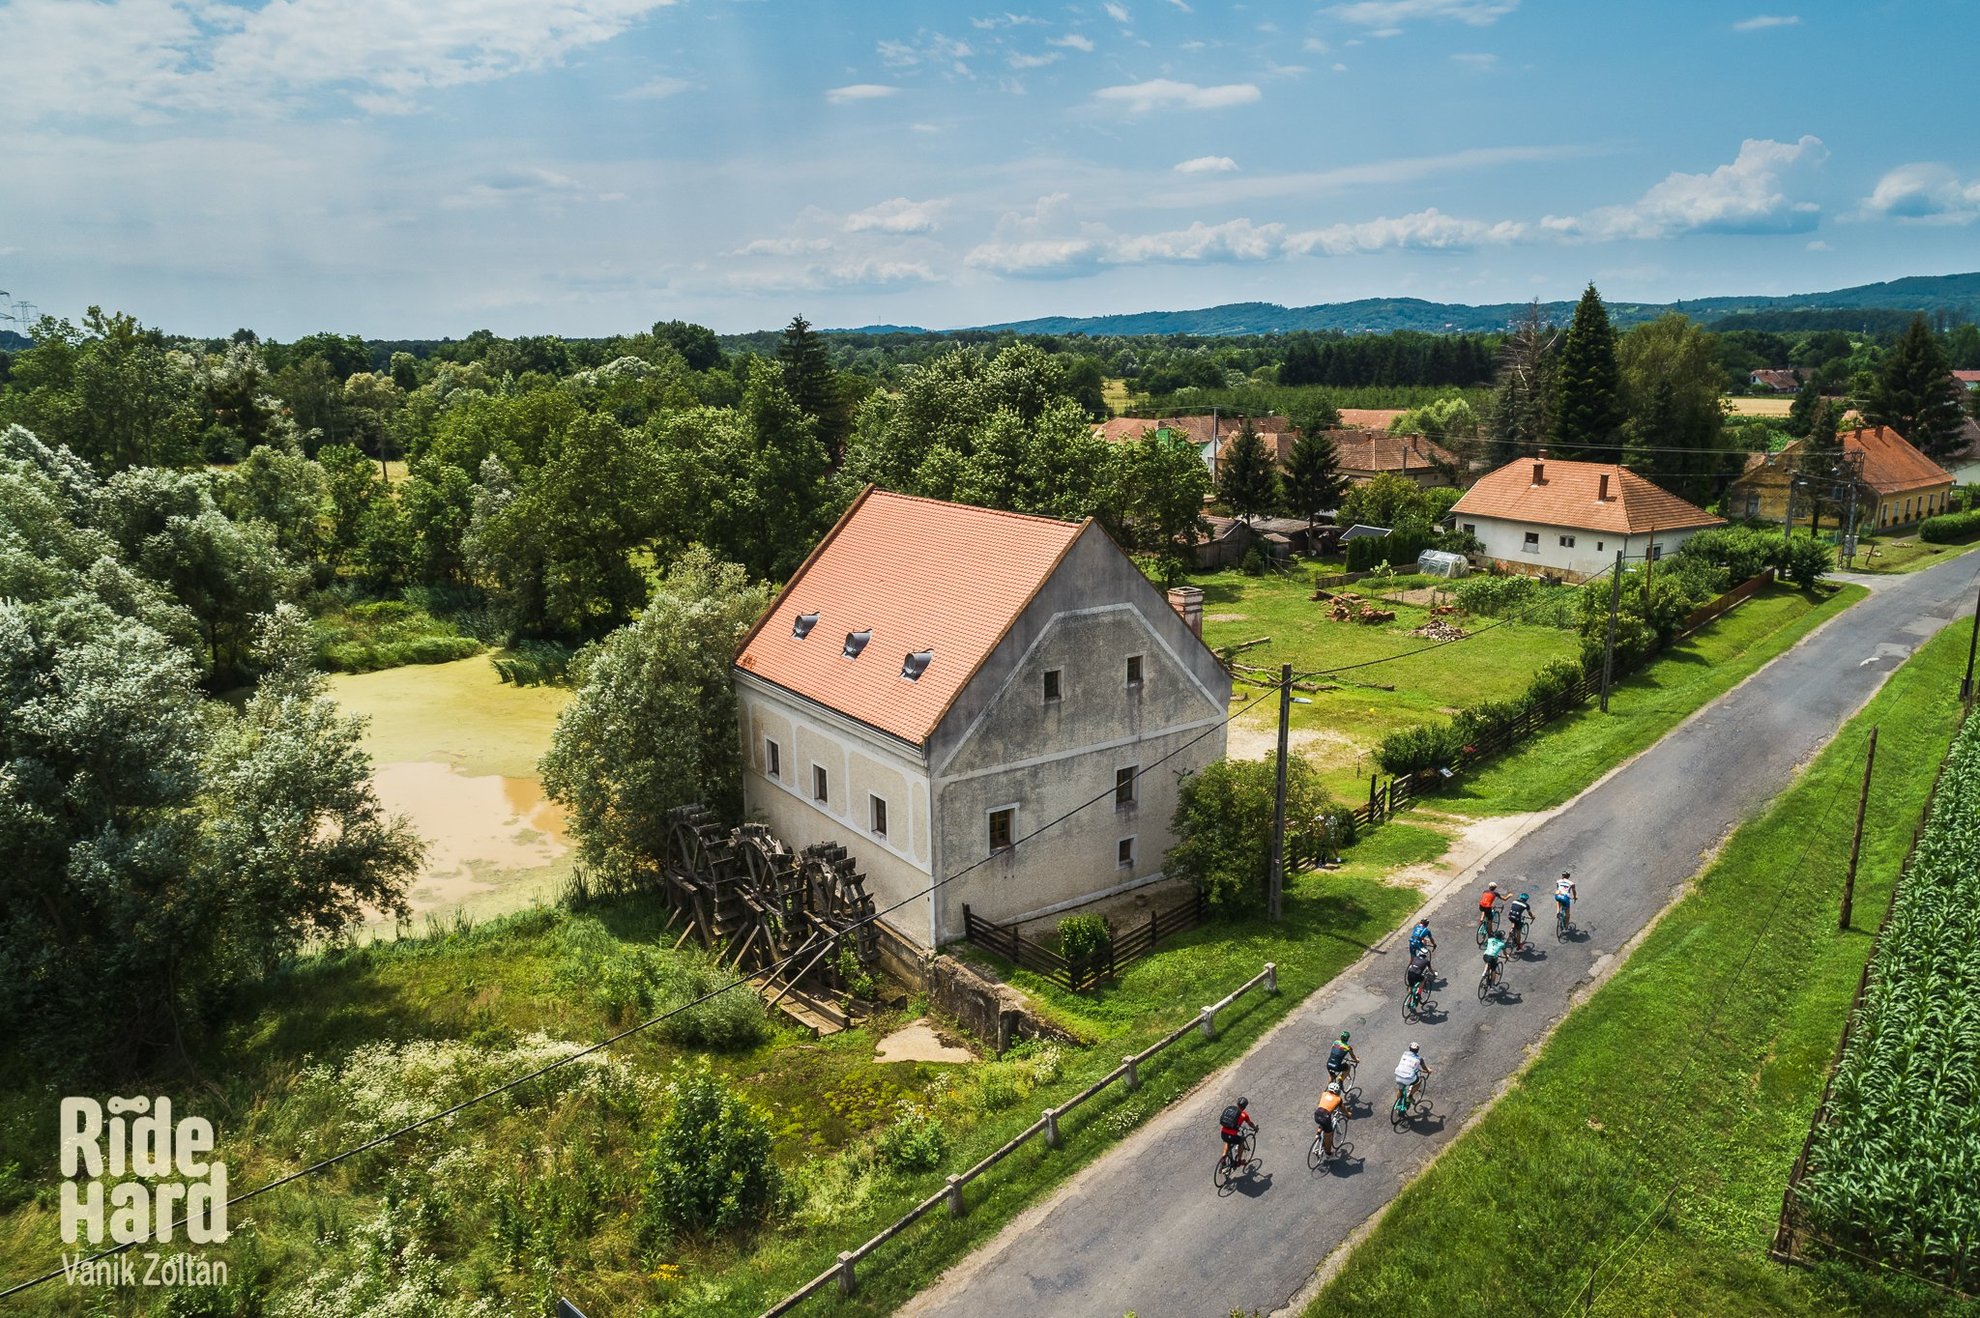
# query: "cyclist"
{"points": [[1421, 939], [1330, 1116], [1519, 915], [1417, 976], [1488, 907], [1340, 1057], [1495, 947], [1410, 1070], [1564, 894], [1233, 1124]]}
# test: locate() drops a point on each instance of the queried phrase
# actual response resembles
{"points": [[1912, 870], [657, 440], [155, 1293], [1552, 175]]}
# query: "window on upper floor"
{"points": [[1054, 679], [1124, 785], [879, 813], [1003, 828], [819, 783], [1134, 670], [773, 762]]}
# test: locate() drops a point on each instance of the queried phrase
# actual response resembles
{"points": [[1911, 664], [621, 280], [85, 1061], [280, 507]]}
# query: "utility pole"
{"points": [[1849, 526], [1856, 841], [1276, 881], [1609, 646], [1966, 687]]}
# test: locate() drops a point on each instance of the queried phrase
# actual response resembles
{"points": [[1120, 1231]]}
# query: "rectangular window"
{"points": [[1134, 670], [772, 761], [1598, 546], [1124, 785], [1567, 542], [1003, 828], [1124, 855], [1655, 552], [818, 782], [1052, 684], [1471, 528], [879, 816], [1531, 545]]}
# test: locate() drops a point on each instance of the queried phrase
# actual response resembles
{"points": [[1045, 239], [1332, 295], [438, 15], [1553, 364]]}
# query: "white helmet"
{"points": [[1415, 1047]]}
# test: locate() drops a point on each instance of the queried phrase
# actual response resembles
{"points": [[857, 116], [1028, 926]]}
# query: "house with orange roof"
{"points": [[943, 689], [1211, 434], [1899, 485], [1365, 454], [1546, 517]]}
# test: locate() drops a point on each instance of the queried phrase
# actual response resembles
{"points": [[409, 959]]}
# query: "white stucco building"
{"points": [[938, 682], [1545, 516]]}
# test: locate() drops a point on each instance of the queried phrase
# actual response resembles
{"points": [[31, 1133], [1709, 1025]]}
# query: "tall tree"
{"points": [[1588, 410], [1821, 467], [813, 386], [1671, 383], [1153, 501], [1313, 481], [1523, 392], [1915, 393], [1247, 478], [1801, 412]]}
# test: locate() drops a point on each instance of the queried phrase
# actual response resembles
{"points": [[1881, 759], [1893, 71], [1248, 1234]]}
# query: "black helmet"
{"points": [[1244, 1102]]}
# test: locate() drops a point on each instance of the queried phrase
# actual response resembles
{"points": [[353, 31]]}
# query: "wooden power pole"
{"points": [[1276, 880], [1856, 841]]}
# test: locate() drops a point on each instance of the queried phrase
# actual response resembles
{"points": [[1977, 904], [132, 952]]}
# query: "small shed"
{"points": [[1442, 563], [1360, 532]]}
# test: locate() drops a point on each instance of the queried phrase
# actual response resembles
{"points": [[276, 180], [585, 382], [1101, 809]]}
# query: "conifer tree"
{"points": [[1915, 393], [1801, 412], [1247, 481], [1313, 475], [1588, 410], [1820, 464], [809, 380]]}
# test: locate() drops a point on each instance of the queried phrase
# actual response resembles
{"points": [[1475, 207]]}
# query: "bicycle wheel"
{"points": [[1484, 985], [1399, 1111], [1316, 1154], [1484, 928], [1221, 1177], [1561, 923]]}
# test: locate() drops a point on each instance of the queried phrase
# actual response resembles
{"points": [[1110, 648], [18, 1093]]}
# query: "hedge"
{"points": [[1950, 528]]}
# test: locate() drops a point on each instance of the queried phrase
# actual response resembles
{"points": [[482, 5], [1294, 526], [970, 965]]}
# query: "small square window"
{"points": [[1124, 785], [1134, 670], [1531, 544], [1567, 542], [1124, 856], [1052, 687], [879, 816], [1471, 528], [1003, 827], [773, 761], [819, 783], [1656, 552]]}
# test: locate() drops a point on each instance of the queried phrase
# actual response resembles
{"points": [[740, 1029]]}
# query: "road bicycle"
{"points": [[1406, 1099], [1227, 1167], [1317, 1155], [1414, 1001], [1516, 937], [1562, 925], [1487, 982], [1484, 929], [1346, 1077]]}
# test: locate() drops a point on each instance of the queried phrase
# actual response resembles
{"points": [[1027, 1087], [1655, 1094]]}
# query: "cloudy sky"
{"points": [[408, 168]]}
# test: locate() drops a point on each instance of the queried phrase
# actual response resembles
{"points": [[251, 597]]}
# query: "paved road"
{"points": [[1144, 1230]]}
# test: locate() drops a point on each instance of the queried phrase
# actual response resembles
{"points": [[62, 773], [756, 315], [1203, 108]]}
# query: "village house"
{"points": [[1211, 434], [938, 682], [1543, 516], [1365, 454], [1899, 485], [1775, 381], [1964, 460]]}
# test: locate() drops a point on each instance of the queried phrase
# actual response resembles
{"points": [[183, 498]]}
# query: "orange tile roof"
{"points": [[1891, 465], [1567, 496], [1369, 418], [919, 574], [1378, 450]]}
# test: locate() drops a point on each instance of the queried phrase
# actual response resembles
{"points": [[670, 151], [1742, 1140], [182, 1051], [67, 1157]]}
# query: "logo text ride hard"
{"points": [[158, 1174]]}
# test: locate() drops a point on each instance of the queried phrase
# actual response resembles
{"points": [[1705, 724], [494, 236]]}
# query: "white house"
{"points": [[1543, 515], [939, 682]]}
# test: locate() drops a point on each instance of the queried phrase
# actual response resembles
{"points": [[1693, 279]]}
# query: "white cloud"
{"points": [[1166, 93], [1925, 193], [529, 185], [146, 57], [656, 89], [1233, 240], [926, 48], [1182, 6], [1116, 12], [784, 246], [898, 215], [1426, 230], [1006, 20], [861, 91], [1073, 41], [1314, 46], [1035, 61], [1747, 196], [1386, 17], [1760, 22], [1483, 63], [1817, 245], [1207, 165], [839, 276]]}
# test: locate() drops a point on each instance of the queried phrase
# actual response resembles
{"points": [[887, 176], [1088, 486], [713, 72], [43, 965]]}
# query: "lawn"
{"points": [[1646, 1147], [1907, 553]]}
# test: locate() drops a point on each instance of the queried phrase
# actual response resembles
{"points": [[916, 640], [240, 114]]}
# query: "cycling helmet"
{"points": [[1244, 1102], [1415, 1047], [1344, 1036], [1333, 1086], [1523, 897], [1491, 887], [1564, 874]]}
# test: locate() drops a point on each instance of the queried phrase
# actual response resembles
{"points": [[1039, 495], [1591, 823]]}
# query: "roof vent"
{"points": [[801, 628], [855, 642], [916, 664]]}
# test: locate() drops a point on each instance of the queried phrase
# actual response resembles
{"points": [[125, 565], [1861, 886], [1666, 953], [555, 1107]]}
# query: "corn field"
{"points": [[1894, 1164]]}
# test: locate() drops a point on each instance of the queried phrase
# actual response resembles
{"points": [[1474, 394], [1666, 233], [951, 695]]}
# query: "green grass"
{"points": [[362, 636], [1905, 554], [1583, 746], [1652, 1136]]}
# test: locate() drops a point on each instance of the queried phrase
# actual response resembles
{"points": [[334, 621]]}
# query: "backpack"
{"points": [[1231, 1117]]}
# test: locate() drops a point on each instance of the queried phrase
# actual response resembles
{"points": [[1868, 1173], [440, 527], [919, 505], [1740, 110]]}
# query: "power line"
{"points": [[771, 970]]}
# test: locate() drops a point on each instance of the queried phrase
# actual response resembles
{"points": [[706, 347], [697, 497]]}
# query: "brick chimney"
{"points": [[1187, 601], [1602, 495], [1540, 469]]}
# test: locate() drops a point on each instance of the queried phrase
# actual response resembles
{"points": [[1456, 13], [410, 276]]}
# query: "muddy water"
{"points": [[482, 832]]}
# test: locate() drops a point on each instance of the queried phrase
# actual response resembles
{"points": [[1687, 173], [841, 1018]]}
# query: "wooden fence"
{"points": [[951, 1194], [1739, 594], [1124, 949]]}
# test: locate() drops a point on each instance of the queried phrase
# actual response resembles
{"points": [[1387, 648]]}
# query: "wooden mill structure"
{"points": [[783, 918]]}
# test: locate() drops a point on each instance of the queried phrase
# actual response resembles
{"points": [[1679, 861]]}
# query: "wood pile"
{"points": [[1438, 630], [1350, 607]]}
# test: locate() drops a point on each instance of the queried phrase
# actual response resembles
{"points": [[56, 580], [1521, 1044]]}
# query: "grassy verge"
{"points": [[1651, 1138], [1905, 554], [1643, 707]]}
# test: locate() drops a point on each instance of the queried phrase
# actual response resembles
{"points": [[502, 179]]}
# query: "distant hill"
{"points": [[13, 342], [1955, 294]]}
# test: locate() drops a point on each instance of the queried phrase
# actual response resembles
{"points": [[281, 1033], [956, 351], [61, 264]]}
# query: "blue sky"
{"points": [[409, 168]]}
